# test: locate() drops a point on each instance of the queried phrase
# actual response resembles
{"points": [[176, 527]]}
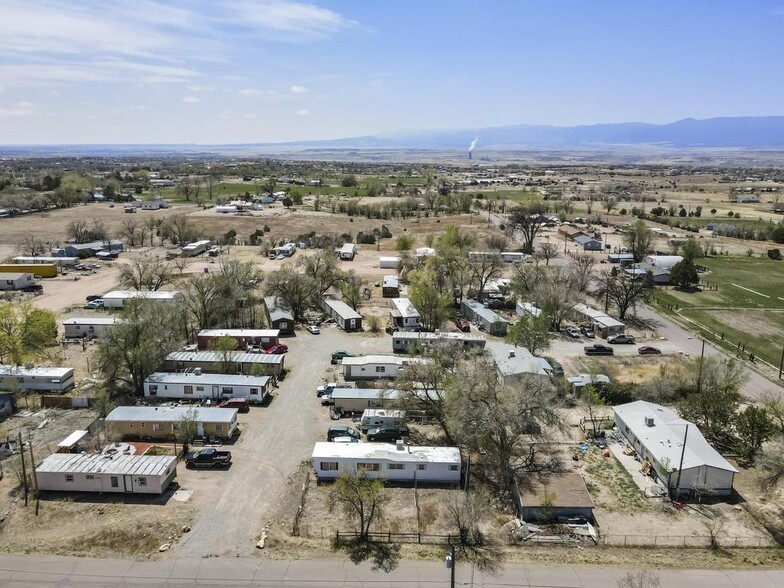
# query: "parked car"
{"points": [[648, 350], [336, 431], [277, 349], [598, 349], [326, 400], [557, 368], [95, 265], [92, 297], [616, 339], [326, 389], [391, 330], [208, 457], [94, 304], [313, 329], [463, 324], [384, 434], [338, 355], [587, 331], [573, 332], [33, 288], [241, 404]]}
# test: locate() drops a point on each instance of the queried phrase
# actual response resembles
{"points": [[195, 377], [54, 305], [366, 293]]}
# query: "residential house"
{"points": [[196, 385], [91, 327], [517, 363], [375, 367], [161, 423], [403, 341], [118, 298], [55, 380]]}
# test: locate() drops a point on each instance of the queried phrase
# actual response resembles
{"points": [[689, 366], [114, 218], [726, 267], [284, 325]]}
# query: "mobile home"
{"points": [[196, 385], [379, 417], [347, 252], [90, 327], [389, 262], [125, 474], [346, 317], [513, 256], [195, 248], [159, 422], [374, 367], [212, 362], [484, 317], [118, 298], [264, 338], [15, 281], [388, 462], [56, 380], [404, 314], [403, 341], [350, 400], [58, 261], [278, 316], [390, 287]]}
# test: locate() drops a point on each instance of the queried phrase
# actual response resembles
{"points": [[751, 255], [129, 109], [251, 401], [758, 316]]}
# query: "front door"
{"points": [[215, 393], [128, 480], [200, 429]]}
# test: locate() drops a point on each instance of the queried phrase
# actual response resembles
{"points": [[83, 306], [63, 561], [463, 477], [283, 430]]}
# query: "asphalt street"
{"points": [[50, 571]]}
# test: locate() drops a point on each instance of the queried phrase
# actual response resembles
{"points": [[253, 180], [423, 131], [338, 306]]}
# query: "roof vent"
{"points": [[511, 353], [399, 445], [197, 371], [649, 421]]}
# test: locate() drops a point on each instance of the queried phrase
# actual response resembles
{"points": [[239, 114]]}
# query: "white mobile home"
{"points": [[403, 341], [90, 327], [346, 317], [126, 474], [527, 309], [404, 314], [15, 280], [56, 380], [161, 422], [379, 417], [118, 298], [214, 363], [658, 434], [395, 463], [347, 252], [58, 261], [197, 385], [603, 324], [513, 256], [226, 209], [389, 262], [348, 400], [374, 367], [517, 363], [195, 248], [484, 317]]}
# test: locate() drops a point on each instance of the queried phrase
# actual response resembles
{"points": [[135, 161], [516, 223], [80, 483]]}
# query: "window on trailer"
{"points": [[329, 466]]}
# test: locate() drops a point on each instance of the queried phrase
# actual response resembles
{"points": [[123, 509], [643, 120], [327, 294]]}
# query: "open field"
{"points": [[747, 308]]}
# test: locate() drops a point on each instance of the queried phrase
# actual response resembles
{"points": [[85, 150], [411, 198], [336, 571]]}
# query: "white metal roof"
{"points": [[13, 275], [512, 361], [600, 317], [74, 437], [437, 336], [343, 309], [665, 438], [239, 333], [404, 307], [126, 294], [49, 372], [663, 261], [485, 313], [345, 393], [391, 282], [386, 451], [383, 360], [214, 357], [92, 320], [84, 463], [206, 379], [168, 414], [581, 380]]}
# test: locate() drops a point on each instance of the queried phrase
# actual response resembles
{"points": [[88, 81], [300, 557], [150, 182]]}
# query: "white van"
{"points": [[379, 417]]}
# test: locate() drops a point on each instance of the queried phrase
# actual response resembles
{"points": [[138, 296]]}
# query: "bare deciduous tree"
{"points": [[582, 272], [548, 251], [146, 273]]}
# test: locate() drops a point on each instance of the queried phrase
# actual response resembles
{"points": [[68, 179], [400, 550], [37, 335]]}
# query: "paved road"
{"points": [[48, 571], [234, 505]]}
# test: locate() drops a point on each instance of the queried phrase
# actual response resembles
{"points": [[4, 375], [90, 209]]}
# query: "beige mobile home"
{"points": [[159, 422]]}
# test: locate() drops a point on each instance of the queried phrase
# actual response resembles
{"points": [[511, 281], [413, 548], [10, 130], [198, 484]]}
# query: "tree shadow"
{"points": [[385, 556]]}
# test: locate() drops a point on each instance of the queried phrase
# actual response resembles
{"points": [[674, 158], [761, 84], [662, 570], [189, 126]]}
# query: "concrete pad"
{"points": [[182, 495]]}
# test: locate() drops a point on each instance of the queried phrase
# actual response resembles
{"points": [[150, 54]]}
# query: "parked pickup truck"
{"points": [[598, 349], [326, 389], [208, 457]]}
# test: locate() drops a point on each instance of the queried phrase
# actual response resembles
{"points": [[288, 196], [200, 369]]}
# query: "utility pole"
{"points": [[680, 467], [35, 474], [781, 363], [450, 563], [24, 470], [699, 374]]}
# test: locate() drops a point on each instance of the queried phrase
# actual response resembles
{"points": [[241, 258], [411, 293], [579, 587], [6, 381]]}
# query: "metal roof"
{"points": [[386, 451], [169, 414], [92, 320], [402, 307], [50, 372], [391, 282], [276, 310], [156, 294], [206, 379], [84, 463], [486, 314], [13, 275], [664, 440], [437, 336], [343, 309], [239, 333], [369, 393], [398, 360], [663, 261], [73, 438], [512, 361], [214, 357]]}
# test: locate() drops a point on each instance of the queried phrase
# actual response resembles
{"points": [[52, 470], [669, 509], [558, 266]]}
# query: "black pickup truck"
{"points": [[208, 457], [598, 349]]}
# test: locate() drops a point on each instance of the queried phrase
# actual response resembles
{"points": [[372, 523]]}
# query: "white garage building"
{"points": [[657, 433]]}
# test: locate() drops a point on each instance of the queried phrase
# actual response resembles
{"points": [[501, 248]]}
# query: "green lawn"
{"points": [[747, 307]]}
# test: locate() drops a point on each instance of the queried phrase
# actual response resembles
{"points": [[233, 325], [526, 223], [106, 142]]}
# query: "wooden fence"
{"points": [[65, 402], [421, 538], [699, 541]]}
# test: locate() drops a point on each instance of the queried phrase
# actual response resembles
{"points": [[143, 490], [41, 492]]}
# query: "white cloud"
{"points": [[249, 92], [191, 99], [25, 104], [286, 19], [298, 89], [22, 108], [250, 116], [303, 112], [200, 88], [224, 115]]}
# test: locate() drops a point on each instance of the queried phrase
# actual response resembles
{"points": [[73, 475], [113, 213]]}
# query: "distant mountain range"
{"points": [[749, 133]]}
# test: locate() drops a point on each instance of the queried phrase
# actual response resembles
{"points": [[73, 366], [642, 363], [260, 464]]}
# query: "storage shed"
{"points": [[346, 317], [658, 435], [393, 463], [484, 317], [126, 474], [15, 280], [589, 243], [118, 298], [90, 327], [263, 338], [56, 380], [196, 385], [548, 498], [214, 363], [278, 316], [390, 287], [161, 422]]}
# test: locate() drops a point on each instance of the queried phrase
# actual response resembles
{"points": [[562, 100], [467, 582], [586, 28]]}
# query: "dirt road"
{"points": [[63, 292], [234, 505]]}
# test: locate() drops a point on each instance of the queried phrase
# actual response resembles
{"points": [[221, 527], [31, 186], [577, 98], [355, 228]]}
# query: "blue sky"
{"points": [[228, 71]]}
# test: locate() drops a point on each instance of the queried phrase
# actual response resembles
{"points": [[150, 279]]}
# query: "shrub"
{"points": [[774, 254]]}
